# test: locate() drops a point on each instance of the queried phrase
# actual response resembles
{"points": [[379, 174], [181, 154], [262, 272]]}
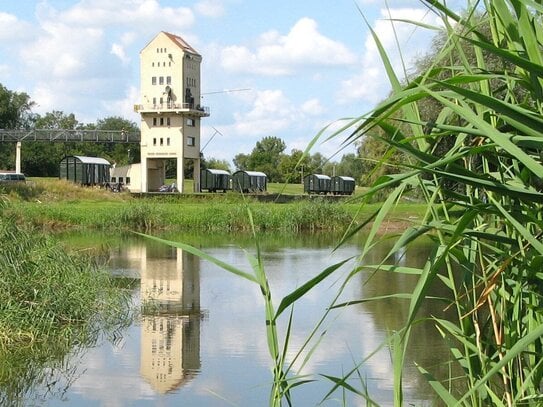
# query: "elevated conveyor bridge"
{"points": [[63, 136]]}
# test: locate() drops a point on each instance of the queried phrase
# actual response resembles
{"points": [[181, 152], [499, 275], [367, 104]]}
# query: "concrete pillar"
{"points": [[196, 175], [180, 174], [144, 172], [18, 157]]}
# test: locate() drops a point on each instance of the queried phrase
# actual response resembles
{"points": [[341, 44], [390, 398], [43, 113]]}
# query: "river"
{"points": [[201, 338]]}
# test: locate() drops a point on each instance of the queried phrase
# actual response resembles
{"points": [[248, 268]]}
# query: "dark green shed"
{"points": [[317, 184], [214, 180], [85, 170], [249, 181], [342, 185]]}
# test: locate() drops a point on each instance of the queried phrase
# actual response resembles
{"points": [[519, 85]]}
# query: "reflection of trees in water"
{"points": [[426, 347]]}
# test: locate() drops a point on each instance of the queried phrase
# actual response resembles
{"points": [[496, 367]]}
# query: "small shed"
{"points": [[249, 181], [85, 170], [317, 184], [342, 185], [214, 180]]}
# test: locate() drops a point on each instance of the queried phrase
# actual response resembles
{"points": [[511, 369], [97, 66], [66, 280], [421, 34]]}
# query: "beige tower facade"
{"points": [[170, 110]]}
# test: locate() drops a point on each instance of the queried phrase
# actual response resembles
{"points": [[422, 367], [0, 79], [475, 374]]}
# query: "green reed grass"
{"points": [[484, 205], [52, 301], [484, 199], [150, 215]]}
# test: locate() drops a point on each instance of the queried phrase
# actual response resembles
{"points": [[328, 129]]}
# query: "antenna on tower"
{"points": [[209, 141], [225, 91]]}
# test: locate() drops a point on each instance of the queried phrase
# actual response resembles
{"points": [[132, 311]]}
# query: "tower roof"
{"points": [[178, 41], [181, 43]]}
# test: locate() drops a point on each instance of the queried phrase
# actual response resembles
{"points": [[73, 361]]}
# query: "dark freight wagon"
{"points": [[215, 180], [317, 184], [249, 181], [85, 170], [341, 185]]}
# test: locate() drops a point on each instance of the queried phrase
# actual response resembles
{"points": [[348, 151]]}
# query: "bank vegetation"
{"points": [[58, 205]]}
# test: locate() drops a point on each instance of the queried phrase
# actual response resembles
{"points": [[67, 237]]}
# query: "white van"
{"points": [[9, 177]]}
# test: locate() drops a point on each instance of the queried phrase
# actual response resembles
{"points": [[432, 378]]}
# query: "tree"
{"points": [[373, 148], [14, 108], [266, 157], [14, 114], [214, 163], [241, 161], [41, 159], [292, 166], [120, 153]]}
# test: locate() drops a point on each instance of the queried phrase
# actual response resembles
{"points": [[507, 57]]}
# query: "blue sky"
{"points": [[305, 64]]}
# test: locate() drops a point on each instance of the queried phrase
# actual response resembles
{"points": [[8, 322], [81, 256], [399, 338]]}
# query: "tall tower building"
{"points": [[170, 110]]}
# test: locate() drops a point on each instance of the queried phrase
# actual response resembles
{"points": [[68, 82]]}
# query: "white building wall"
{"points": [[170, 107]]}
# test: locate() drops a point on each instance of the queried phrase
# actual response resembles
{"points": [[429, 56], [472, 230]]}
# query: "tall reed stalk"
{"points": [[484, 197], [484, 204]]}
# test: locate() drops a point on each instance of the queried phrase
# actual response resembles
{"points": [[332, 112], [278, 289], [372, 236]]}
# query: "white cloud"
{"points": [[80, 58], [281, 55], [13, 30], [272, 113], [124, 107], [210, 8], [4, 70], [312, 107], [127, 13], [118, 50], [372, 84]]}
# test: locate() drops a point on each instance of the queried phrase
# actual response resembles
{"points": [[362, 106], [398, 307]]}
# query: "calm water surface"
{"points": [[202, 341]]}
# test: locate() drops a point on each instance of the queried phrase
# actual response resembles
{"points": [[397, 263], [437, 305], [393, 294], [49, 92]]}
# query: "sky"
{"points": [[286, 69]]}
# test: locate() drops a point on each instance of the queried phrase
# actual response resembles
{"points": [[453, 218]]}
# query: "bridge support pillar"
{"points": [[18, 157]]}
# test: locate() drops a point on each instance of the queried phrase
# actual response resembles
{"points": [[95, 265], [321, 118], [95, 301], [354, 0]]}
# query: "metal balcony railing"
{"points": [[176, 107]]}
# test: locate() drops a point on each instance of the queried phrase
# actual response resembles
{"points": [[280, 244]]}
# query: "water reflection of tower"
{"points": [[170, 333]]}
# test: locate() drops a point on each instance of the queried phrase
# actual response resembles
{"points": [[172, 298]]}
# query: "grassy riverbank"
{"points": [[53, 301], [58, 205]]}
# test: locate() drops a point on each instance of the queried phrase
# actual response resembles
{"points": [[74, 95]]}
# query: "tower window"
{"points": [[191, 141], [153, 80], [161, 141], [167, 121], [154, 141], [154, 121], [161, 80], [191, 122], [168, 80], [162, 121], [168, 143]]}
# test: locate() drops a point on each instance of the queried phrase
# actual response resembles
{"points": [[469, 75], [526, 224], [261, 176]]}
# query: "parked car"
{"points": [[9, 177]]}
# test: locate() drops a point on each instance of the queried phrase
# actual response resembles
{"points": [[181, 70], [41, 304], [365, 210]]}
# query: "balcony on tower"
{"points": [[171, 107]]}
